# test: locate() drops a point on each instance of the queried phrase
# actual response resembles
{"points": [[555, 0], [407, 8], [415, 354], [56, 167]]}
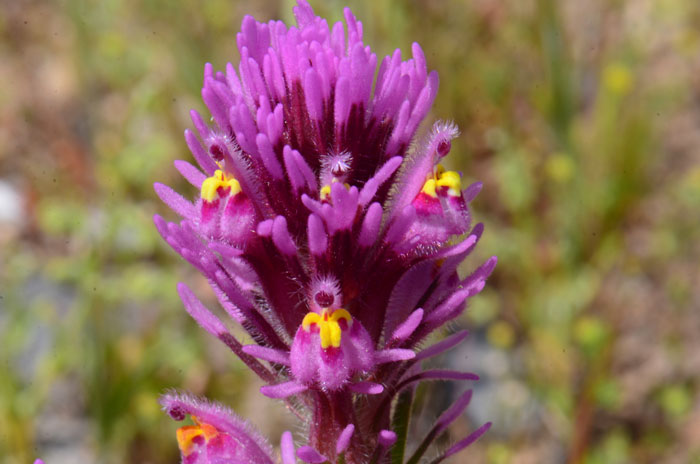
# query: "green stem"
{"points": [[399, 424]]}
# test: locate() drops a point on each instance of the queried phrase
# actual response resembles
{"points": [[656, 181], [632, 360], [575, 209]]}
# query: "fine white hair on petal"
{"points": [[337, 161], [324, 291], [446, 129], [335, 166]]}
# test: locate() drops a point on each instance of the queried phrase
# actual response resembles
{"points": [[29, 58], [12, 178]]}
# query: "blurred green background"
{"points": [[581, 118]]}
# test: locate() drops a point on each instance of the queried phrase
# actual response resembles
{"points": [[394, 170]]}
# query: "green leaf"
{"points": [[399, 424]]}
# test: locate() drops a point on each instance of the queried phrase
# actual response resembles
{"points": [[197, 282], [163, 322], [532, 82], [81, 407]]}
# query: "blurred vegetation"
{"points": [[581, 118]]}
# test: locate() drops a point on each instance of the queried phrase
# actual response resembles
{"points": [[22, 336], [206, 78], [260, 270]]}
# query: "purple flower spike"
{"points": [[327, 231]]}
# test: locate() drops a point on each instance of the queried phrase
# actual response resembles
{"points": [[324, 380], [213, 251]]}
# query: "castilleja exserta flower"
{"points": [[330, 234]]}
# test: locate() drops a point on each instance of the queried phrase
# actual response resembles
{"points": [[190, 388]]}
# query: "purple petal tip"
{"points": [[344, 439], [387, 438], [310, 455]]}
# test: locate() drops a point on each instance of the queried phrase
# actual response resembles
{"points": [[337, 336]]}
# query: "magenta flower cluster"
{"points": [[330, 234]]}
